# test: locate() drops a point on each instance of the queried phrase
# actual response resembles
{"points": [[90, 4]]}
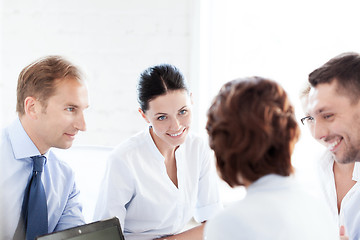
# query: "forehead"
{"points": [[325, 96], [173, 100], [71, 92]]}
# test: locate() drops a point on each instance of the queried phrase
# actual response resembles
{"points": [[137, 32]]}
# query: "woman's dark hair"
{"points": [[158, 80], [252, 130]]}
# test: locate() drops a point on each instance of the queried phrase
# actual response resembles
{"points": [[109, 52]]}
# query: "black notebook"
{"points": [[109, 229]]}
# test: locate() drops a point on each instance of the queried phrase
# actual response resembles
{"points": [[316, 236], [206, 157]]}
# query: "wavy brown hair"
{"points": [[252, 130]]}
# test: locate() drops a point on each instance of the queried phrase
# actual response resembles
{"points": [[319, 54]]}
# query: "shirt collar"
{"points": [[327, 162], [152, 145], [356, 172], [155, 149], [270, 181], [21, 143]]}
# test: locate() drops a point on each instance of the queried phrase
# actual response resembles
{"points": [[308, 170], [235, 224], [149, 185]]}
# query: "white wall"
{"points": [[111, 40], [211, 41], [278, 39]]}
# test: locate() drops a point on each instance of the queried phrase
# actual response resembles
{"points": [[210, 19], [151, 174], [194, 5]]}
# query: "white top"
{"points": [[137, 189], [350, 206], [275, 208]]}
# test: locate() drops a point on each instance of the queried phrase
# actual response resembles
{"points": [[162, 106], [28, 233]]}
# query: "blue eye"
{"points": [[70, 109], [182, 112], [161, 118]]}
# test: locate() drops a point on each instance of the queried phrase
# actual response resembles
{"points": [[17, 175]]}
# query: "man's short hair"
{"points": [[39, 79], [345, 70]]}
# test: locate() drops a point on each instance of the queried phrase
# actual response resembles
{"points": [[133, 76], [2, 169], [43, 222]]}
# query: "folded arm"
{"points": [[195, 233]]}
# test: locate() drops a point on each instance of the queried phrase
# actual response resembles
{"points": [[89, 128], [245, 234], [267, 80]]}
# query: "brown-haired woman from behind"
{"points": [[253, 131]]}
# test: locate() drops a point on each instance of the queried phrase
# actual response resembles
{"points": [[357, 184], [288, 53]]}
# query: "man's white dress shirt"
{"points": [[349, 215]]}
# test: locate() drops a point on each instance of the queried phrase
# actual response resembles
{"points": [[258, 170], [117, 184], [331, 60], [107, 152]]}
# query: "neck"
{"points": [[31, 132], [344, 168], [165, 149]]}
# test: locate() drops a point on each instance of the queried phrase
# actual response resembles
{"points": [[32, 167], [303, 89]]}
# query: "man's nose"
{"points": [[80, 123], [319, 131]]}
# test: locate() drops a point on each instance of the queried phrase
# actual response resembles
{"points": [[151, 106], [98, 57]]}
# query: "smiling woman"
{"points": [[166, 173], [169, 116]]}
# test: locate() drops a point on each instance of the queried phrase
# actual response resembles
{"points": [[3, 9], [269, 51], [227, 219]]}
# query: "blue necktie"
{"points": [[34, 207]]}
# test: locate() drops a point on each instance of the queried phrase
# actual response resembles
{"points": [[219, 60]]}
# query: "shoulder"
{"points": [[134, 142], [196, 148], [227, 224], [131, 149], [56, 162], [7, 156], [195, 138], [4, 139], [3, 134], [194, 141]]}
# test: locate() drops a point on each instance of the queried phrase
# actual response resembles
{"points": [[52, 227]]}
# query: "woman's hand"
{"points": [[195, 233]]}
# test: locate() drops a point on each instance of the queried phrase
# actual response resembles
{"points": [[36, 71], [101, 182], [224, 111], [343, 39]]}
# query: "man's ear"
{"points": [[143, 115], [31, 107]]}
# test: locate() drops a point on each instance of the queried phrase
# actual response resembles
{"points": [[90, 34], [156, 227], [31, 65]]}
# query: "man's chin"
{"points": [[64, 146], [343, 160]]}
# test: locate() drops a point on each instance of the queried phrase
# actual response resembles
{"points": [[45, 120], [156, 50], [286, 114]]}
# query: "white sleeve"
{"points": [[116, 190], [208, 202]]}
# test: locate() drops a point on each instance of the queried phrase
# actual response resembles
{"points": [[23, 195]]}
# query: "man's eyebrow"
{"points": [[75, 105], [72, 105], [320, 110]]}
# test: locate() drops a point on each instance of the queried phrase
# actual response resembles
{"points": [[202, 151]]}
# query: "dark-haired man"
{"points": [[333, 117]]}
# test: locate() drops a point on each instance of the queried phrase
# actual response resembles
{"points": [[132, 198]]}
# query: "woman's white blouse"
{"points": [[275, 208], [137, 189]]}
